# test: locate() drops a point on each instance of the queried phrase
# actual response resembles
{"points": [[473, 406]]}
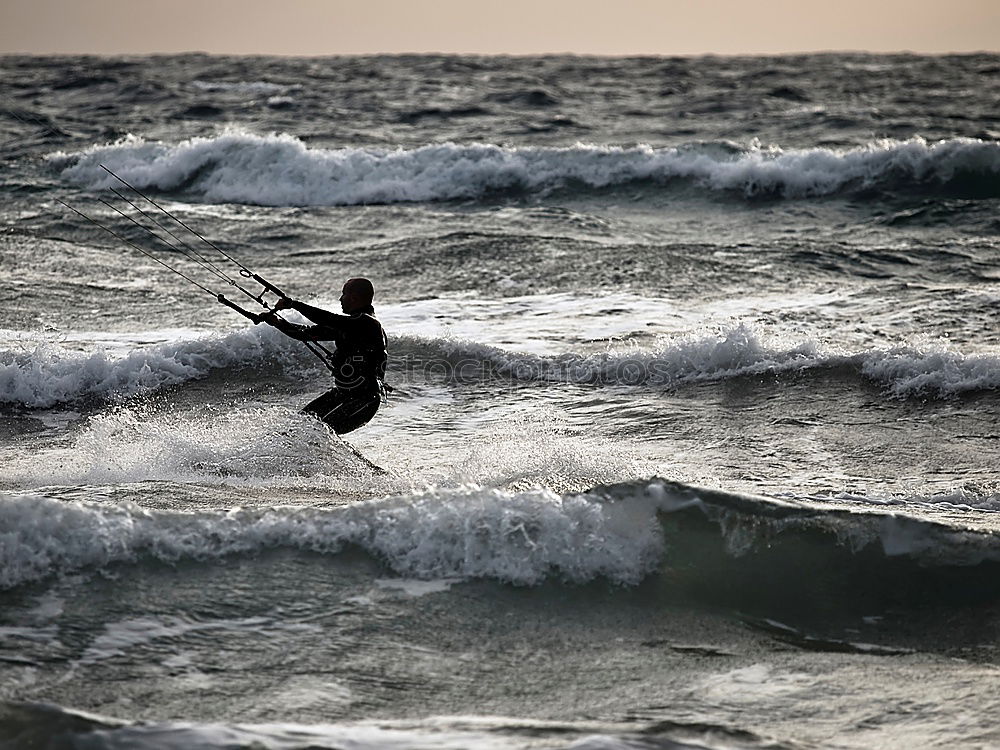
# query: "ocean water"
{"points": [[694, 438]]}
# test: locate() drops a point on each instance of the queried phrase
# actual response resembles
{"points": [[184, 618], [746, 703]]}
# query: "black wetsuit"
{"points": [[358, 363]]}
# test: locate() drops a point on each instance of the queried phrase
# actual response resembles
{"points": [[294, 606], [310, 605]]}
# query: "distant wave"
{"points": [[244, 87], [467, 532], [47, 376], [280, 170]]}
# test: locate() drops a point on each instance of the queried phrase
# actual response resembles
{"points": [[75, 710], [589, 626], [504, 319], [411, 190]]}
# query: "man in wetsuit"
{"points": [[359, 361]]}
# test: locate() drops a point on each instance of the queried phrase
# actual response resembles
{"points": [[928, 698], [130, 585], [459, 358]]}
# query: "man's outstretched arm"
{"points": [[316, 314], [295, 331]]}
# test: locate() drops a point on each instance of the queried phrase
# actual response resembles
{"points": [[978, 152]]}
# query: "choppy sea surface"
{"points": [[694, 438]]}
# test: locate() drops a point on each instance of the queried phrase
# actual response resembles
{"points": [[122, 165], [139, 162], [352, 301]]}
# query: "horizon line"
{"points": [[790, 53]]}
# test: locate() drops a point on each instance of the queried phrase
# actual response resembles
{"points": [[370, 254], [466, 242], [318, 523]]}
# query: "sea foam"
{"points": [[281, 170]]}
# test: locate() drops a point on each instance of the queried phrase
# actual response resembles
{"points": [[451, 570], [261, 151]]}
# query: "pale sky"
{"points": [[601, 27]]}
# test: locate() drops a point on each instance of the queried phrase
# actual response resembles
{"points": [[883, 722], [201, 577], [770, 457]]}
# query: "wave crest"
{"points": [[466, 532], [280, 170], [737, 352], [48, 374], [524, 537]]}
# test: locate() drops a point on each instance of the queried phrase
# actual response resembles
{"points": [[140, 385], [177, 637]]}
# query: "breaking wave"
{"points": [[48, 375], [280, 170], [466, 532], [739, 352], [469, 532]]}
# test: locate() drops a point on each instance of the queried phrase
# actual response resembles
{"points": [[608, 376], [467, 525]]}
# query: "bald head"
{"points": [[357, 296]]}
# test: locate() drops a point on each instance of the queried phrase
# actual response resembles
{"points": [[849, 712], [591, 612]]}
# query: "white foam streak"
{"points": [[243, 87], [960, 499], [102, 733], [280, 170]]}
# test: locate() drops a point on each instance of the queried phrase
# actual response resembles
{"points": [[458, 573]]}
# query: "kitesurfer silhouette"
{"points": [[358, 363]]}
